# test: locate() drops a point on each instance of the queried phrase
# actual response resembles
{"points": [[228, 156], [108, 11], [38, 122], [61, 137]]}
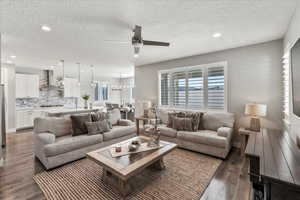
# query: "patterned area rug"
{"points": [[186, 176]]}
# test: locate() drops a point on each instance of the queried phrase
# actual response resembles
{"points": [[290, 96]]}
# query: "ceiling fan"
{"points": [[137, 41]]}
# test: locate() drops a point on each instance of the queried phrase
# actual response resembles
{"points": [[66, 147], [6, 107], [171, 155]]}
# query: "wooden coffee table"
{"points": [[117, 171]]}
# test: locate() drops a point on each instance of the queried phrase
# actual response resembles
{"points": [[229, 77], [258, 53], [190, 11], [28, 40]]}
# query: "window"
{"points": [[101, 92], [198, 87]]}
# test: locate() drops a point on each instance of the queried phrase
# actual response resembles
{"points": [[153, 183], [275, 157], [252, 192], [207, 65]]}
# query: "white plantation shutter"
{"points": [[195, 88], [164, 89], [178, 89], [215, 88], [286, 86]]}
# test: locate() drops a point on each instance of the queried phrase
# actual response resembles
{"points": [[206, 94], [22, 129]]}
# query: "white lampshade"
{"points": [[146, 105], [256, 110]]}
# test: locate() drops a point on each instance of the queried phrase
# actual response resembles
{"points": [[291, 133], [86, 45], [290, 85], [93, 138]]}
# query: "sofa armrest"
{"points": [[46, 138], [125, 122], [224, 131]]}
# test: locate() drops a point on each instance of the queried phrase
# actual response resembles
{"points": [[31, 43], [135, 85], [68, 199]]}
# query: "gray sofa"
{"points": [[55, 146], [214, 140]]}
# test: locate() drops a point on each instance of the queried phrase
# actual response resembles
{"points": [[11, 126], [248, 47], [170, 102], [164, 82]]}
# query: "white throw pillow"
{"points": [[114, 116], [224, 131]]}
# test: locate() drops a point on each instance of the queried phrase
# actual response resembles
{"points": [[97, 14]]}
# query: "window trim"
{"points": [[185, 68]]}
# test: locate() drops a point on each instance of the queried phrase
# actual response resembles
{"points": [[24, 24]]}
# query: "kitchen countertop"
{"points": [[66, 111]]}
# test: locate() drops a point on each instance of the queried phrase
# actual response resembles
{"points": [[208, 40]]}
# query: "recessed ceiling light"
{"points": [[217, 35], [9, 61], [46, 28], [13, 56]]}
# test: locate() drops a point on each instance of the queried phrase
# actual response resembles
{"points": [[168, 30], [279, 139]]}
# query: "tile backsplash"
{"points": [[48, 97]]}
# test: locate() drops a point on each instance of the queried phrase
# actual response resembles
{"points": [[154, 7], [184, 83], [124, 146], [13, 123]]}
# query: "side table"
{"points": [[245, 134]]}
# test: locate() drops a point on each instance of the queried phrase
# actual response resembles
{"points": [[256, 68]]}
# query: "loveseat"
{"points": [[215, 139], [54, 144]]}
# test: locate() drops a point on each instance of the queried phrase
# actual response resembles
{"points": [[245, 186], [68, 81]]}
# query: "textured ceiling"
{"points": [[79, 29]]}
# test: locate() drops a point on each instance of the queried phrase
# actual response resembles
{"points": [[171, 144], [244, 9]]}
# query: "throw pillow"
{"points": [[114, 116], [201, 126], [93, 128], [170, 119], [103, 125], [78, 124], [60, 126], [195, 117], [97, 116], [182, 124]]}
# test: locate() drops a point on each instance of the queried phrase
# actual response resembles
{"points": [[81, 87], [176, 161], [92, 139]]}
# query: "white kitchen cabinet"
{"points": [[25, 118], [27, 86], [71, 88]]}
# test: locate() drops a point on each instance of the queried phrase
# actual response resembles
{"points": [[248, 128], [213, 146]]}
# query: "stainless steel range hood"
{"points": [[47, 79]]}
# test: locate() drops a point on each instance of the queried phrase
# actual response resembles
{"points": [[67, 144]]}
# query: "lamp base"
{"points": [[255, 124], [146, 113]]}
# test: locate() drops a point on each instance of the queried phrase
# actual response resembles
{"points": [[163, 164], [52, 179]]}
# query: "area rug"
{"points": [[186, 176]]}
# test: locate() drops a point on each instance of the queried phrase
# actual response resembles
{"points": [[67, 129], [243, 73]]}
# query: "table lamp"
{"points": [[146, 107], [255, 111]]}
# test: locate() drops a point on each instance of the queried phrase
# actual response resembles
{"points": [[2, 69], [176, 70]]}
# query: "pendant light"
{"points": [[93, 84], [79, 78], [63, 71]]}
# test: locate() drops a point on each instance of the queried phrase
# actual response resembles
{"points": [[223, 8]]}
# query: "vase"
{"points": [[85, 104]]}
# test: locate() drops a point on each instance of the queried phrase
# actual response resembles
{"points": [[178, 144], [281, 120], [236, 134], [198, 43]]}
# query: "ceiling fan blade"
{"points": [[137, 32], [155, 43], [117, 41]]}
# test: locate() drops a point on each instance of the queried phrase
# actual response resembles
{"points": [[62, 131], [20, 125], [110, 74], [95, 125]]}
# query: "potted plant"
{"points": [[85, 98]]}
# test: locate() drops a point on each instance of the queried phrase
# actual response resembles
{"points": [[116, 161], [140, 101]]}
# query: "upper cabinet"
{"points": [[71, 87], [27, 86]]}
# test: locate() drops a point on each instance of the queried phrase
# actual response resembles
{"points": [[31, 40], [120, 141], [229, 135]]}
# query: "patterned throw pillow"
{"points": [[182, 124], [104, 125], [201, 126], [97, 116], [195, 117], [171, 116], [93, 128]]}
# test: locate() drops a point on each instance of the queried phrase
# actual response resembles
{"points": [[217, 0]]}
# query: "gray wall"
{"points": [[290, 38], [254, 75]]}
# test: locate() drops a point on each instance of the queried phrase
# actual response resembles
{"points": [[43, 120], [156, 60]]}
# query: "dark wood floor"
{"points": [[229, 183]]}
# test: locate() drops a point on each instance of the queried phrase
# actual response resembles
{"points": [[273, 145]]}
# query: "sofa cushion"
{"points": [[46, 138], [213, 121], [68, 143], [119, 131], [224, 131], [114, 116], [125, 122], [203, 137], [78, 124], [60, 126], [166, 131]]}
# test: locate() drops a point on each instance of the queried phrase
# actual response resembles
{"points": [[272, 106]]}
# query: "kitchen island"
{"points": [[26, 115], [68, 111]]}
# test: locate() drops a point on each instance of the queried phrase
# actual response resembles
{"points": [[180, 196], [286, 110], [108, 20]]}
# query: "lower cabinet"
{"points": [[25, 118]]}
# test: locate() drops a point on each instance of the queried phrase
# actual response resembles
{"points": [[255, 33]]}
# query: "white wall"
{"points": [[254, 75], [291, 36]]}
